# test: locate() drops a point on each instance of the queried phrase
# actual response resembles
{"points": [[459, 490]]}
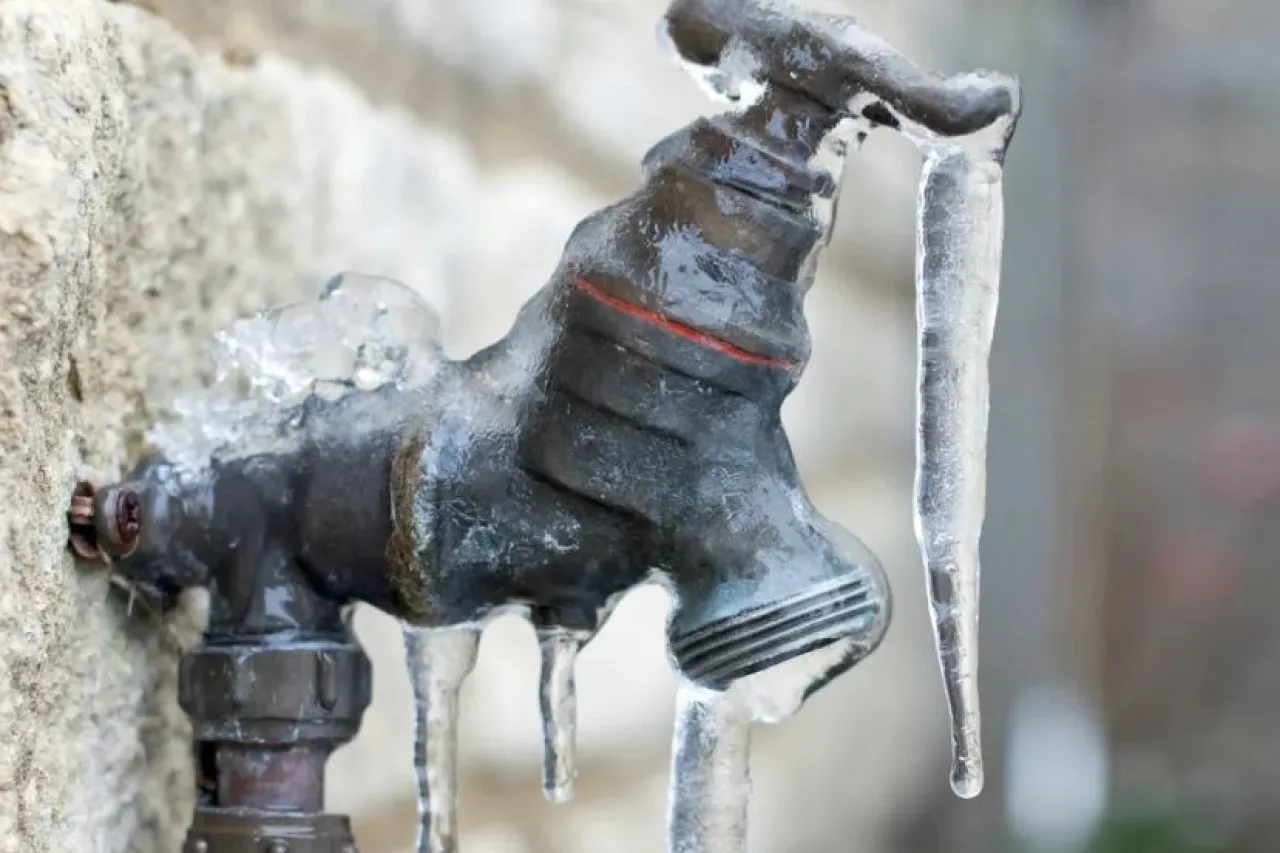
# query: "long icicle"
{"points": [[960, 232]]}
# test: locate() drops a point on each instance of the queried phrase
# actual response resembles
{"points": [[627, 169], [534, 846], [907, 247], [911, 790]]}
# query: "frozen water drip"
{"points": [[558, 702], [957, 289], [439, 661], [710, 774], [711, 749]]}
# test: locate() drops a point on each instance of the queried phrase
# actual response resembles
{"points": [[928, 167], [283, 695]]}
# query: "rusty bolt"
{"points": [[80, 517]]}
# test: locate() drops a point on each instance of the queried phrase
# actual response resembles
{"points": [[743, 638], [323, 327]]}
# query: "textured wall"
{"points": [[148, 196], [162, 172]]}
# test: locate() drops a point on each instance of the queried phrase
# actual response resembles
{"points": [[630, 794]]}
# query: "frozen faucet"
{"points": [[625, 430]]}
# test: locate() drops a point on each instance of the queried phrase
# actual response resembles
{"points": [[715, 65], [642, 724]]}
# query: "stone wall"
{"points": [[166, 169]]}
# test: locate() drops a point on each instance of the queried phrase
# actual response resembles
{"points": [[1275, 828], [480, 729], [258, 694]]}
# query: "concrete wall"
{"points": [[165, 170]]}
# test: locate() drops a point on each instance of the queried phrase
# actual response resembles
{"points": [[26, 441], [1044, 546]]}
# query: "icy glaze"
{"points": [[360, 333]]}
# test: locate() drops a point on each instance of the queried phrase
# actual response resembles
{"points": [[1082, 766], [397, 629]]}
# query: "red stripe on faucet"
{"points": [[653, 318]]}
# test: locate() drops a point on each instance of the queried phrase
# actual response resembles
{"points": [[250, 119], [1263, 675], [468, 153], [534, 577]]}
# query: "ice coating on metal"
{"points": [[362, 332], [438, 661], [558, 702], [710, 769], [734, 80], [831, 58]]}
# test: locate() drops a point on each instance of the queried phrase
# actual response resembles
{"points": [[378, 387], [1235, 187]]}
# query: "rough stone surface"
{"points": [[147, 197]]}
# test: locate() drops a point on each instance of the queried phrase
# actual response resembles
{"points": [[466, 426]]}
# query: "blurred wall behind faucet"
{"points": [[1129, 662]]}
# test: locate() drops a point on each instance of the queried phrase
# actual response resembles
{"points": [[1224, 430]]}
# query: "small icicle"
{"points": [[559, 705], [960, 230], [439, 661], [710, 773], [711, 753]]}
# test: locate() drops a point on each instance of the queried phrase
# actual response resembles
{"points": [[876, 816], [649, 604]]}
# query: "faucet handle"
{"points": [[834, 61]]}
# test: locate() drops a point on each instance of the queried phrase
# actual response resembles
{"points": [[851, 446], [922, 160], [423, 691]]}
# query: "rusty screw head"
{"points": [[80, 517]]}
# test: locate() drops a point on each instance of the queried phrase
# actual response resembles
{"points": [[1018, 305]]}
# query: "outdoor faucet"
{"points": [[626, 430]]}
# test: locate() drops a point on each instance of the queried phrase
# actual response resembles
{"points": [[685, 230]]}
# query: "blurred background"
{"points": [[1130, 647]]}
